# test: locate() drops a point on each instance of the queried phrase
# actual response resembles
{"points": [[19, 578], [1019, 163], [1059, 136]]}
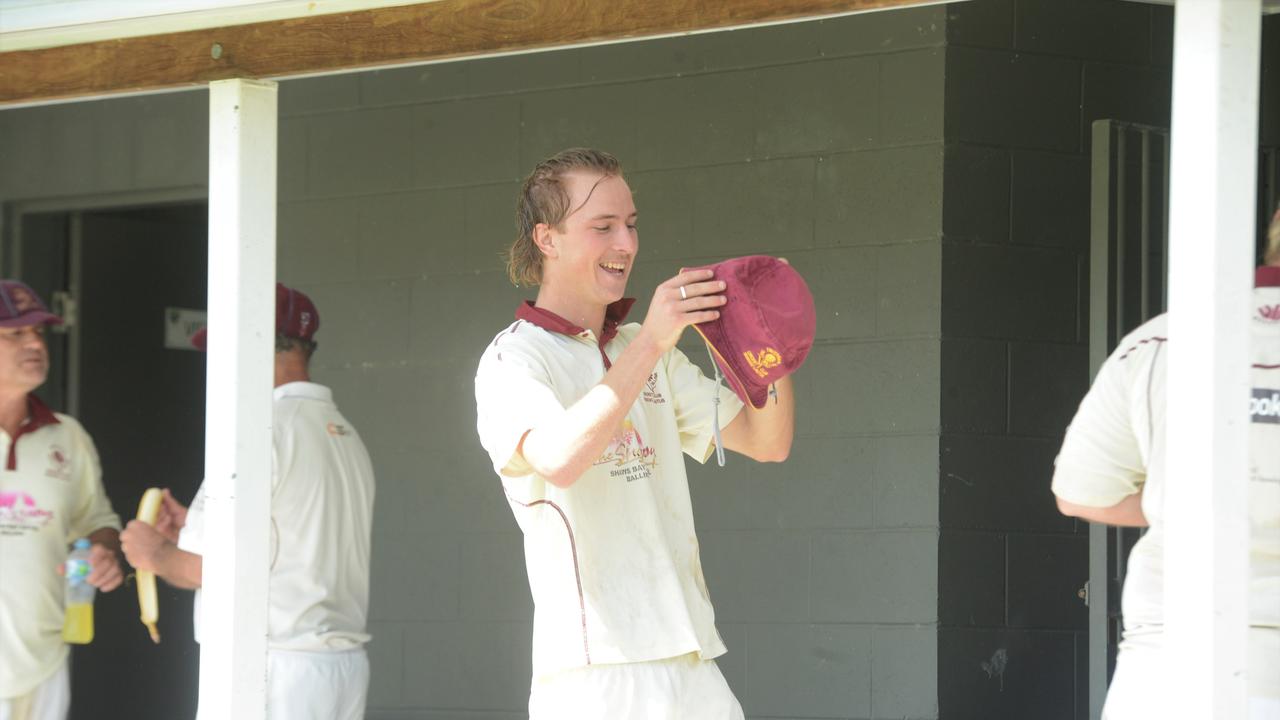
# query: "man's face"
{"points": [[24, 358], [597, 244]]}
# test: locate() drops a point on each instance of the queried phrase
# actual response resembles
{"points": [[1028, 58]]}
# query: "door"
{"points": [[143, 404]]}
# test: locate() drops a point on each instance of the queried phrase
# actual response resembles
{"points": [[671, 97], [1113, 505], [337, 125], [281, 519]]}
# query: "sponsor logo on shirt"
{"points": [[631, 458], [59, 464], [761, 361], [1264, 406], [650, 393], [336, 429], [1269, 313], [19, 514]]}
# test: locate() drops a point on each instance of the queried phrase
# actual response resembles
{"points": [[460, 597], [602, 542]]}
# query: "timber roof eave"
{"points": [[399, 35]]}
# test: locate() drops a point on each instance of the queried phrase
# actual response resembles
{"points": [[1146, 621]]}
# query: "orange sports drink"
{"points": [[78, 627]]}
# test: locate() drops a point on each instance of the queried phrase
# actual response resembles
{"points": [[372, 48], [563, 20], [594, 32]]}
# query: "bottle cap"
{"points": [[81, 544]]}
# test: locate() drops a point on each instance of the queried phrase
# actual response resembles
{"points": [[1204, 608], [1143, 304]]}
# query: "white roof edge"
{"points": [[1269, 7], [43, 25]]}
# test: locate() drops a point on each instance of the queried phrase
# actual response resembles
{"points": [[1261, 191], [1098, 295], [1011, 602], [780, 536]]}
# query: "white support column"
{"points": [[242, 268], [1214, 160]]}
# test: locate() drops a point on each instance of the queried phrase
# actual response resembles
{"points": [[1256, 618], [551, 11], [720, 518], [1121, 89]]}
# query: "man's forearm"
{"points": [[106, 537], [180, 568], [765, 435], [1126, 513], [563, 450]]}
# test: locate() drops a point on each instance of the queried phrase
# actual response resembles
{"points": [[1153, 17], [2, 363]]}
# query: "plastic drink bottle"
{"points": [[78, 627]]}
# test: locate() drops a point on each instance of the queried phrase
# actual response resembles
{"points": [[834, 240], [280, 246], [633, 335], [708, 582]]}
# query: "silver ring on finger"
{"points": [[683, 295]]}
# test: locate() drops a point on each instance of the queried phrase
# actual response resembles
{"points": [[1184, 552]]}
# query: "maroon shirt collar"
{"points": [[614, 314], [1267, 276], [547, 320], [38, 416]]}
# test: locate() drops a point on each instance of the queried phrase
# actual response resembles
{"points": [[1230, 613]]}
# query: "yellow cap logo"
{"points": [[763, 360]]}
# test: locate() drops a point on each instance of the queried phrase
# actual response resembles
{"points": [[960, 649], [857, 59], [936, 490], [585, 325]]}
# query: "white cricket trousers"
{"points": [[50, 700], [679, 688], [317, 685]]}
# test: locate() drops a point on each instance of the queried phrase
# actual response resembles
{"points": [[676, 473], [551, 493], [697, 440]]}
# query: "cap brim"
{"points": [[35, 317], [753, 396]]}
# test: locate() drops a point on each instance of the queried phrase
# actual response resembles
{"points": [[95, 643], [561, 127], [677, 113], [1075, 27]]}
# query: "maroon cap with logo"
{"points": [[765, 328], [20, 306], [296, 317]]}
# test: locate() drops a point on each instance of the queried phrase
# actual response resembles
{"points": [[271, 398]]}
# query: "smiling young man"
{"points": [[585, 420], [51, 493]]}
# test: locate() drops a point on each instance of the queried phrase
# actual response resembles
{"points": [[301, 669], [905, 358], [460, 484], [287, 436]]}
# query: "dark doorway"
{"points": [[143, 404]]}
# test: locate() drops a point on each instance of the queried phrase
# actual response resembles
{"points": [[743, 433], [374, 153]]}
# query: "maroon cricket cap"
{"points": [[766, 326], [20, 306], [296, 317]]}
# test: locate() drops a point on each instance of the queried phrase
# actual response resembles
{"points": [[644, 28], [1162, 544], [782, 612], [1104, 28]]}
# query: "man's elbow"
{"points": [[558, 475], [773, 452], [559, 479], [1067, 508]]}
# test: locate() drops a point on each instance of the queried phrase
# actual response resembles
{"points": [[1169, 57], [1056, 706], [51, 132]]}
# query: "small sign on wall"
{"points": [[180, 324]]}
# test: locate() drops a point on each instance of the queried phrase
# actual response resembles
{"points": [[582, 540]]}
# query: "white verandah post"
{"points": [[242, 269], [1211, 215]]}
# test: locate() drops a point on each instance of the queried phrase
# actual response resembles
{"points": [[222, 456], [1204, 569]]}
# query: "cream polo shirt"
{"points": [[613, 559], [321, 520], [1115, 446], [50, 494]]}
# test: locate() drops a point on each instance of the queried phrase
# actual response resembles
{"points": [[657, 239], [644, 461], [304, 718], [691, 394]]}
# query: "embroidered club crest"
{"points": [[763, 360], [23, 300], [59, 464]]}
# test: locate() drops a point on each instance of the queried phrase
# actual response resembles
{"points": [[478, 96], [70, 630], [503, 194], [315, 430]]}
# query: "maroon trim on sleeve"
{"points": [[38, 416], [1140, 343], [1267, 276], [614, 314]]}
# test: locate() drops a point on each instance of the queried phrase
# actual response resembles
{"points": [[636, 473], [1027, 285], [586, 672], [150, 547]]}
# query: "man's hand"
{"points": [[672, 311], [172, 517], [143, 545], [104, 568]]}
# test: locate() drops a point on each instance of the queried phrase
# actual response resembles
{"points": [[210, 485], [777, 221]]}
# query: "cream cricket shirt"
{"points": [[613, 559], [50, 494], [1120, 430], [321, 520]]}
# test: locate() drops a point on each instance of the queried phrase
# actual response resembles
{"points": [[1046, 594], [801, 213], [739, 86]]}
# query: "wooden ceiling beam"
{"points": [[400, 35]]}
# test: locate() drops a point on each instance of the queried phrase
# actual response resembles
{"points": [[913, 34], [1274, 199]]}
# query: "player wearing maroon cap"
{"points": [[584, 419], [321, 519], [50, 494]]}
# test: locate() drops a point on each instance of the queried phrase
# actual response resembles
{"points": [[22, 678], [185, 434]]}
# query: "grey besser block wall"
{"points": [[820, 142], [1025, 80]]}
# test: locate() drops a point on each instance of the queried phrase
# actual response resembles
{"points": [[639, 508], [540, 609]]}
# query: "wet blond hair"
{"points": [[545, 199]]}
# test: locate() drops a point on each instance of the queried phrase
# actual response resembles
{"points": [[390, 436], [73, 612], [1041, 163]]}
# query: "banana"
{"points": [[148, 604]]}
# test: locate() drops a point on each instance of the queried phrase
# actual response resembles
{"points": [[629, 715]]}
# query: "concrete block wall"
{"points": [[821, 142], [1025, 80]]}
